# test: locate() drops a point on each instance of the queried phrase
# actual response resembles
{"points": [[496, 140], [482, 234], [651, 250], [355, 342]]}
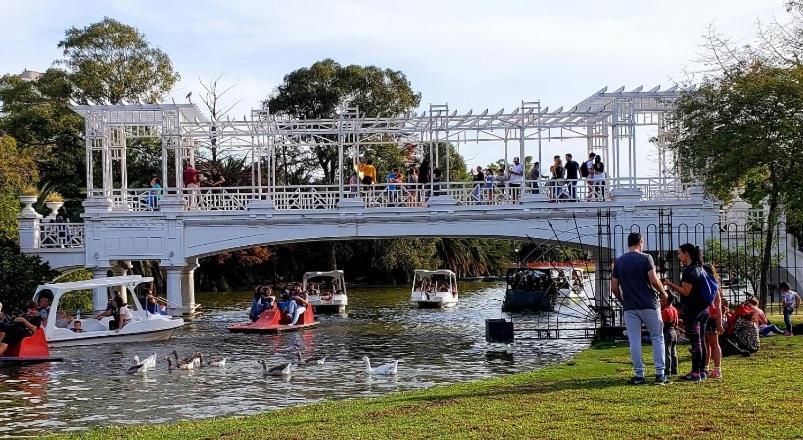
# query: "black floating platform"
{"points": [[7, 361]]}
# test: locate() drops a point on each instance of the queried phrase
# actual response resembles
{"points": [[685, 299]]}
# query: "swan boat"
{"points": [[434, 288], [337, 300], [143, 327]]}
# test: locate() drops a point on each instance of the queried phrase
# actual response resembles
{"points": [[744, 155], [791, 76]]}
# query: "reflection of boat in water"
{"points": [[331, 289], [143, 327], [534, 289], [434, 288]]}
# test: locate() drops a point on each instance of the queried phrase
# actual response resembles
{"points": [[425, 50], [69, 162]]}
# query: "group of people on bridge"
{"points": [[705, 318]]}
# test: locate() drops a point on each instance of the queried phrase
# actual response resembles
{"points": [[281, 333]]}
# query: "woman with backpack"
{"points": [[696, 295]]}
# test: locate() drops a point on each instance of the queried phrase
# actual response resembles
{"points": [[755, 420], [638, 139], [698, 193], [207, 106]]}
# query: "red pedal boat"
{"points": [[31, 350], [274, 321]]}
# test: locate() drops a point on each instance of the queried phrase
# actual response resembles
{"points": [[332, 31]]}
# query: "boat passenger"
{"points": [[256, 304], [330, 296], [152, 305], [4, 318], [44, 308], [62, 319], [444, 288], [301, 304], [22, 326], [125, 315], [77, 327]]}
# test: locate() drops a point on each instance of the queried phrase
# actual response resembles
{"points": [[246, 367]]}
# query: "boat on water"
{"points": [[143, 327], [434, 288], [534, 289], [274, 321], [330, 291]]}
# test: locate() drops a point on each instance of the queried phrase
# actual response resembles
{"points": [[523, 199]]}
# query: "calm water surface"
{"points": [[435, 347]]}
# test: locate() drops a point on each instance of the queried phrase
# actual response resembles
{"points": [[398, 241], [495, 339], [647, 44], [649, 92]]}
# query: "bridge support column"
{"points": [[188, 285], [100, 296], [174, 290]]}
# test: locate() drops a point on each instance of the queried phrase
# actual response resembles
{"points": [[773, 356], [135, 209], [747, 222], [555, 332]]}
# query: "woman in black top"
{"points": [[599, 176], [694, 308]]}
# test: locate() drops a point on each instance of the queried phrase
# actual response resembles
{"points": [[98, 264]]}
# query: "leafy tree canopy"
{"points": [[111, 63], [17, 169], [19, 276]]}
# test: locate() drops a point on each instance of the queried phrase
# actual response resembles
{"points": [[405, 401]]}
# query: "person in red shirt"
{"points": [[191, 181], [669, 315]]}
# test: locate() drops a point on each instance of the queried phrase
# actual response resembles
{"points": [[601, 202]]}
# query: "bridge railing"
{"points": [[399, 195], [61, 235]]}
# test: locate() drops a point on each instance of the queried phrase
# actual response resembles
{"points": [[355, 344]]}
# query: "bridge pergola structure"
{"points": [[607, 120]]}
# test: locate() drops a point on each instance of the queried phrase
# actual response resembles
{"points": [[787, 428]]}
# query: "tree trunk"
{"points": [[766, 258]]}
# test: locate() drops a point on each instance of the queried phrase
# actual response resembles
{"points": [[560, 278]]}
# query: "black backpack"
{"points": [[584, 169]]}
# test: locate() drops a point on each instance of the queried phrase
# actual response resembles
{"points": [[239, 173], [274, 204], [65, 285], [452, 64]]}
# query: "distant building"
{"points": [[30, 75]]}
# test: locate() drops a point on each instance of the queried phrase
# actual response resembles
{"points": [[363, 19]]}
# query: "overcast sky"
{"points": [[468, 54]]}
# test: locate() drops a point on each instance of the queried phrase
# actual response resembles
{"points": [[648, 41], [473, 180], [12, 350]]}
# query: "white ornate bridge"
{"points": [[176, 225]]}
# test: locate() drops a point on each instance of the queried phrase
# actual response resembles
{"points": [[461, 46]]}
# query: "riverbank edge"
{"points": [[582, 398]]}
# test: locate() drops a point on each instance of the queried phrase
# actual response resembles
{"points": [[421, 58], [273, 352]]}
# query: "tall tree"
{"points": [[36, 115], [326, 87], [740, 132], [112, 63], [17, 170]]}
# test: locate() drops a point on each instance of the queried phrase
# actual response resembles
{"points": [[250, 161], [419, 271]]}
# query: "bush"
{"points": [[20, 274]]}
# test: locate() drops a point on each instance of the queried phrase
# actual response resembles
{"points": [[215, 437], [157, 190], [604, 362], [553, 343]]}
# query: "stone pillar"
{"points": [[120, 270], [173, 293], [100, 296], [188, 285], [28, 221]]}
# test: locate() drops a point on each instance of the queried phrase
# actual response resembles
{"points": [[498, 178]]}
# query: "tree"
{"points": [[741, 132], [37, 116], [19, 276], [112, 63], [326, 87], [17, 170]]}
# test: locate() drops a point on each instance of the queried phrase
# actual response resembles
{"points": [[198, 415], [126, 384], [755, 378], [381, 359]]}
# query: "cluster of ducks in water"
{"points": [[198, 360]]}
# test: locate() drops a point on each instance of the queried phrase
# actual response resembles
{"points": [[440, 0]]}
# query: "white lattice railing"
{"points": [[398, 195], [61, 235]]}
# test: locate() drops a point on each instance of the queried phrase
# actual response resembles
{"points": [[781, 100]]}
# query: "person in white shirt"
{"points": [[516, 178], [790, 300]]}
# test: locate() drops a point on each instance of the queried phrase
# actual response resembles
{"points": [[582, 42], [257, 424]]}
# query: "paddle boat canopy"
{"points": [[434, 288], [331, 291], [274, 321], [533, 289], [143, 327]]}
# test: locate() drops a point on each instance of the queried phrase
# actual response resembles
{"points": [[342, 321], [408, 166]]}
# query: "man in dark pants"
{"points": [[572, 174]]}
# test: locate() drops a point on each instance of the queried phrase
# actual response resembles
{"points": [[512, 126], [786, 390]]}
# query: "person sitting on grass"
{"points": [[21, 327], [765, 328]]}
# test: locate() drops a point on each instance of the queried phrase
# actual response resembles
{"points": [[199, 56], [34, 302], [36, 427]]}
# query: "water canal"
{"points": [[435, 347]]}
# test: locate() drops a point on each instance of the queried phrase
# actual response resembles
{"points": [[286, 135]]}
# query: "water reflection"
{"points": [[434, 347]]}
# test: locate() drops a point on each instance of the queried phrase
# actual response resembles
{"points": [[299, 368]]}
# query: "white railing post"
{"points": [[28, 221]]}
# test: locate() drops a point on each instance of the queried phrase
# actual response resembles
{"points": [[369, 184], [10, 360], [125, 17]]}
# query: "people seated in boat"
{"points": [[330, 295], [256, 304], [125, 314], [21, 327], [77, 327], [44, 308], [62, 319], [113, 309], [299, 303], [444, 288], [4, 317], [152, 304]]}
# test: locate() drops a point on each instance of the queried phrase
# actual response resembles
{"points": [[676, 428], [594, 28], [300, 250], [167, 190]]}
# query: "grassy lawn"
{"points": [[759, 397]]}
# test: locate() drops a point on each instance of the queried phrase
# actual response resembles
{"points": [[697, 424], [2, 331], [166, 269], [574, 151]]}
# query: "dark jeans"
{"points": [[787, 317], [671, 346], [572, 189], [695, 327]]}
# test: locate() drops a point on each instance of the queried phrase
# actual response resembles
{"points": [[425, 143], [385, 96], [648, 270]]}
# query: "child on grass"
{"points": [[669, 315]]}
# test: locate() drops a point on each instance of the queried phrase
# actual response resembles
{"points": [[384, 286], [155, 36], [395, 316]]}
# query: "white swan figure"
{"points": [[388, 369]]}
